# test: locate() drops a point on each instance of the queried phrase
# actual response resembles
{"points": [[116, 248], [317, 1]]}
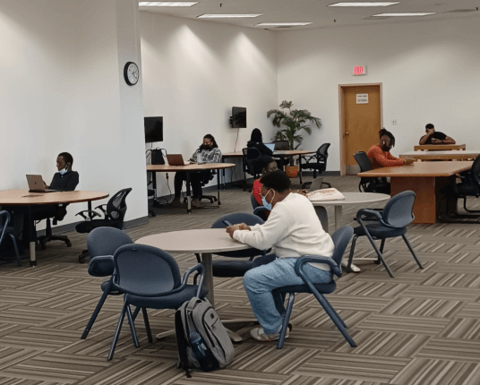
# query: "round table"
{"points": [[29, 199], [196, 241], [351, 198]]}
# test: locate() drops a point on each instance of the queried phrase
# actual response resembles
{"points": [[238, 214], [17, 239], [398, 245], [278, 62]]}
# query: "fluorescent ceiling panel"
{"points": [[292, 24], [399, 14], [227, 15], [167, 4], [364, 4]]}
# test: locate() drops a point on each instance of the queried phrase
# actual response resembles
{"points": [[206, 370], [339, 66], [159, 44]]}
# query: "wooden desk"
{"points": [[441, 155], [153, 168], [279, 154], [439, 147], [28, 200], [426, 179]]}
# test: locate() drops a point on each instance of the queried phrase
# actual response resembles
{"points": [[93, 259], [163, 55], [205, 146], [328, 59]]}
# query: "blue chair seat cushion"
{"points": [[225, 268], [172, 301], [378, 231], [323, 288]]}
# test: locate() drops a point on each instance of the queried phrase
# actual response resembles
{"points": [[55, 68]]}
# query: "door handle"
{"points": [[347, 133]]}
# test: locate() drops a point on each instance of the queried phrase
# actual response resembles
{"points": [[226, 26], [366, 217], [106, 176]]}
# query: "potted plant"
{"points": [[291, 122]]}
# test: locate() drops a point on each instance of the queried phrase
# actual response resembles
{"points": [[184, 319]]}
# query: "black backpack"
{"points": [[202, 340]]}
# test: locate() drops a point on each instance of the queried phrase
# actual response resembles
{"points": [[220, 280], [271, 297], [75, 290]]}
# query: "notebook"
{"points": [[270, 146], [36, 184], [175, 160], [326, 194]]}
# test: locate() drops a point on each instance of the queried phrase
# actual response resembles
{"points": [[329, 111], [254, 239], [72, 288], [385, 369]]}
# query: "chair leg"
{"points": [[147, 325], [379, 254], [19, 261], [95, 314], [382, 246], [334, 317], [352, 251], [117, 332], [135, 313], [411, 251], [286, 319], [131, 322]]}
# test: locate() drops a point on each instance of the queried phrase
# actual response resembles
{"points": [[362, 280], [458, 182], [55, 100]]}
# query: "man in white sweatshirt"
{"points": [[293, 229]]}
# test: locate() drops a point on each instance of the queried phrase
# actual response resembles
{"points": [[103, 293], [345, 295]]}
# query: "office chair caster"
{"points": [[81, 257], [69, 244]]}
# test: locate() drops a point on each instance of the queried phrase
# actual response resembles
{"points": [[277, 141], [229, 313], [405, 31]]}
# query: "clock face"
{"points": [[131, 73]]}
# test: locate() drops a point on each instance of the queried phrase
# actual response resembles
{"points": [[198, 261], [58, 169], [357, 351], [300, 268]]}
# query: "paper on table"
{"points": [[327, 194]]}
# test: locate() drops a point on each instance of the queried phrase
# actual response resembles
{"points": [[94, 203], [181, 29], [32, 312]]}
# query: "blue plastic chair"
{"points": [[150, 278], [5, 229], [102, 243], [391, 223], [236, 268], [341, 237], [258, 210]]}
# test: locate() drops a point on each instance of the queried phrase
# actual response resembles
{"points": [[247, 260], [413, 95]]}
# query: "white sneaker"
{"points": [[260, 335]]}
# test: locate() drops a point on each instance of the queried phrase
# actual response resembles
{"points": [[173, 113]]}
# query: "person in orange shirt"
{"points": [[267, 164], [379, 154]]}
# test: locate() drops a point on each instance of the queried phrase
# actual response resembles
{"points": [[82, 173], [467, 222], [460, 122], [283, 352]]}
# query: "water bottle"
{"points": [[197, 344]]}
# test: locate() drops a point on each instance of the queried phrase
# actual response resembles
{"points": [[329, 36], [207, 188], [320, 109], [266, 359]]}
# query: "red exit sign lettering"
{"points": [[359, 70]]}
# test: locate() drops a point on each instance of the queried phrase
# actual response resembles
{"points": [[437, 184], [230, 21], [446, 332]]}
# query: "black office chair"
{"points": [[114, 214], [207, 177], [151, 200], [6, 230], [379, 185], [468, 187], [54, 215], [250, 156], [317, 162]]}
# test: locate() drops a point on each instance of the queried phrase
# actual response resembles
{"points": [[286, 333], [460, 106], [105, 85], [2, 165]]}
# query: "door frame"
{"points": [[341, 130]]}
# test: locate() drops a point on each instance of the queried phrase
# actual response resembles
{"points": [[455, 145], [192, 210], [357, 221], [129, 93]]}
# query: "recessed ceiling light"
{"points": [[227, 15], [404, 14], [293, 24], [167, 3], [364, 4]]}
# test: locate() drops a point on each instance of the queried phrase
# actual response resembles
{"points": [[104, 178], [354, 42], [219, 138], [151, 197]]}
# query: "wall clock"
{"points": [[131, 73]]}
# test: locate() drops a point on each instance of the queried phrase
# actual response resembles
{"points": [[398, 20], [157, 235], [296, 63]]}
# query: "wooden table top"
{"points": [[275, 153], [188, 167], [441, 155], [439, 147], [25, 198], [193, 241], [421, 169]]}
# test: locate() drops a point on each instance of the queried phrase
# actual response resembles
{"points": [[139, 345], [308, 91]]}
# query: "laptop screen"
{"points": [[271, 146]]}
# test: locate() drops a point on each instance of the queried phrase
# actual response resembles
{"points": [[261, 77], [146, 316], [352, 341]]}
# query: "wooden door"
{"points": [[360, 121]]}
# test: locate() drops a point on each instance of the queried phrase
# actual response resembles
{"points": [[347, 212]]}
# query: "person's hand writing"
{"points": [[408, 161], [231, 229], [302, 192]]}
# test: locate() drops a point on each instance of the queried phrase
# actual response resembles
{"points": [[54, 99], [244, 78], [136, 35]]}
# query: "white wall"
{"points": [[195, 71], [61, 71], [429, 72]]}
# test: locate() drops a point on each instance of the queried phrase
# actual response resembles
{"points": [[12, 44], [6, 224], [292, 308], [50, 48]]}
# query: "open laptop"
{"points": [[270, 146], [36, 184], [175, 160]]}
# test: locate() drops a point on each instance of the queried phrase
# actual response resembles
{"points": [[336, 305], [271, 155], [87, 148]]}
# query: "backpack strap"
{"points": [[182, 342]]}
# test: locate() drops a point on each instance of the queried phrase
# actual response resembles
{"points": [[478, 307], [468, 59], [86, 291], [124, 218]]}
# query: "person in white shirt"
{"points": [[292, 230]]}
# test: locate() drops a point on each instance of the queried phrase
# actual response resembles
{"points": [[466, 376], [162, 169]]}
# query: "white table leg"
{"points": [[338, 218]]}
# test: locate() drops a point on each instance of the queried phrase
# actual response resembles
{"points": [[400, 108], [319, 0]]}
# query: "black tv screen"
{"points": [[153, 129], [239, 117]]}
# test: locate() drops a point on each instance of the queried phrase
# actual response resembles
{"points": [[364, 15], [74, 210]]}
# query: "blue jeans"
{"points": [[261, 281]]}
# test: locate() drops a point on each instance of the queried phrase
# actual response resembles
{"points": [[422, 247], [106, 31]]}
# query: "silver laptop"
{"points": [[270, 146], [36, 184]]}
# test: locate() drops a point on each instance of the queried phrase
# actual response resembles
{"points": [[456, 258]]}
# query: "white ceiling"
{"points": [[317, 11]]}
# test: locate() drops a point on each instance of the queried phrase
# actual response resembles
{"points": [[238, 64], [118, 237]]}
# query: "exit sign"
{"points": [[359, 70]]}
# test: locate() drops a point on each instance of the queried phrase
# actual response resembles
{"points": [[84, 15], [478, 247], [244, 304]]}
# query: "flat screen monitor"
{"points": [[239, 117], [153, 129]]}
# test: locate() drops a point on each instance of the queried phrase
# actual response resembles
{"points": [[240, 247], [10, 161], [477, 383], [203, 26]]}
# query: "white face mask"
{"points": [[63, 171]]}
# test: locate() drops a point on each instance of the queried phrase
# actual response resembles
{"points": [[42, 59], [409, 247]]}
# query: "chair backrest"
{"points": [[254, 202], [4, 220], [476, 170], [106, 240], [117, 207], [363, 161], [341, 238], [250, 156], [145, 270], [398, 211], [281, 145], [248, 219], [322, 152]]}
